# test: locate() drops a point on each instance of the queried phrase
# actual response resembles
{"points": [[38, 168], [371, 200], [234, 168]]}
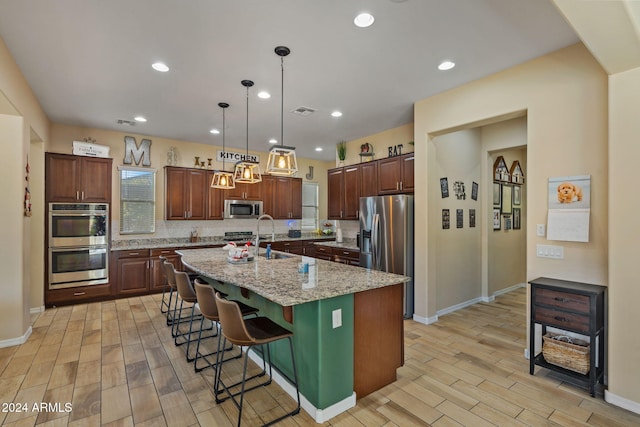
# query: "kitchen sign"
{"points": [[236, 156]]}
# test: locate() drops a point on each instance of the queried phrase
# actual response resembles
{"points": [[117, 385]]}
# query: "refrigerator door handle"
{"points": [[375, 241]]}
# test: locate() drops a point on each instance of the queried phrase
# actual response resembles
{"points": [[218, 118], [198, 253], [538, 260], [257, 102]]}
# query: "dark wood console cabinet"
{"points": [[574, 307]]}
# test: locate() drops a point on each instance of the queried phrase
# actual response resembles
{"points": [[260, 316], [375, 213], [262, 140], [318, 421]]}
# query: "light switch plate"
{"points": [[540, 229], [337, 318]]}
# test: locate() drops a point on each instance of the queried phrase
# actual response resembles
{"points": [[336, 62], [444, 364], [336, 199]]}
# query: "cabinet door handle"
{"points": [[562, 299], [401, 185], [79, 294], [77, 195], [134, 253], [561, 319], [82, 195], [397, 186]]}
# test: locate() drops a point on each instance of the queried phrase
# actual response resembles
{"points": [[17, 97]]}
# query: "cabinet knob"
{"points": [[561, 319], [561, 299]]}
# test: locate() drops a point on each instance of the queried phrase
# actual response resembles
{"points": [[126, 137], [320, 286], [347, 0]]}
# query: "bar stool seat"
{"points": [[250, 332], [209, 310]]}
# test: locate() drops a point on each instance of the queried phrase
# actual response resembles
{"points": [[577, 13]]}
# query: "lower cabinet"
{"points": [[77, 295], [131, 272], [158, 278], [344, 256]]}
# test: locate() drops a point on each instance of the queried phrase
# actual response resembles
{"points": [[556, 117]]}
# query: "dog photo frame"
{"points": [[496, 218], [516, 218]]}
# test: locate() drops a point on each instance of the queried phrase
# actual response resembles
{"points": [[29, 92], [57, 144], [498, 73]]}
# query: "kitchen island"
{"points": [[347, 321]]}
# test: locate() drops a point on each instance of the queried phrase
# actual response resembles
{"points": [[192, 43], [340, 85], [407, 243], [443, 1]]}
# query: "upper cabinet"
{"points": [[282, 197], [185, 193], [344, 192], [395, 174], [368, 179], [77, 178], [244, 192], [215, 199]]}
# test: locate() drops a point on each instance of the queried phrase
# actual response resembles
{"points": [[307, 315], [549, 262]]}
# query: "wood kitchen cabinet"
{"points": [[185, 193], [282, 197], [72, 178], [244, 192], [395, 174], [158, 278], [215, 200], [131, 272], [81, 294], [344, 192], [346, 256], [368, 179]]}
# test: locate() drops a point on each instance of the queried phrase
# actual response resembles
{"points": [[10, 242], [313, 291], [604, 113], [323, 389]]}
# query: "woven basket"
{"points": [[567, 352]]}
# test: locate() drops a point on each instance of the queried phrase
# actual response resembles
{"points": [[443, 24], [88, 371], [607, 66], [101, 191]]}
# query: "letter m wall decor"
{"points": [[131, 149]]}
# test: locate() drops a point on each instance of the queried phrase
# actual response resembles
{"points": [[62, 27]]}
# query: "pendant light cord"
{"points": [[282, 101]]}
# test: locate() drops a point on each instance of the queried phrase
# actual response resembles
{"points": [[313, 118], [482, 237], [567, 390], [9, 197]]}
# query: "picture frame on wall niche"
{"points": [[474, 190], [444, 187], [497, 194], [496, 218], [507, 207], [516, 218], [446, 219], [517, 195], [507, 222]]}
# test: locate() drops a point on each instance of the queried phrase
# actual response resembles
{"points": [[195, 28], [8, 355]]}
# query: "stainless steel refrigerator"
{"points": [[386, 238]]}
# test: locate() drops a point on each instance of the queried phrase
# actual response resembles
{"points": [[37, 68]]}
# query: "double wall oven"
{"points": [[78, 244]]}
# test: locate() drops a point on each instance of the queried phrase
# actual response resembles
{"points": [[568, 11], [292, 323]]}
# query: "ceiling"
{"points": [[89, 62]]}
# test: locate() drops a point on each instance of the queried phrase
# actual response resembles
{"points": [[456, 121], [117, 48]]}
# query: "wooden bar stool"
{"points": [[249, 333], [209, 310]]}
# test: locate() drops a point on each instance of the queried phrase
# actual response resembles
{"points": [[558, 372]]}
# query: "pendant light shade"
{"points": [[282, 159], [223, 179], [246, 171]]}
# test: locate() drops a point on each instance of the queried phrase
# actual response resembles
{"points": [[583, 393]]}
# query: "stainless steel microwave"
{"points": [[242, 208]]}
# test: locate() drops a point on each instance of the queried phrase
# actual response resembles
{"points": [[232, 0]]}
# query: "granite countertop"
{"points": [[184, 242], [349, 244], [278, 280]]}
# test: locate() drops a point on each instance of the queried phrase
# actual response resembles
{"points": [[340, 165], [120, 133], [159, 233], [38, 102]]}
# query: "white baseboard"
{"points": [[36, 310], [509, 289], [627, 404], [425, 320], [16, 341], [458, 306], [319, 415]]}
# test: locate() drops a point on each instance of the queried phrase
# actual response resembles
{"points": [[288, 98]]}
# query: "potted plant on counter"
{"points": [[342, 152]]}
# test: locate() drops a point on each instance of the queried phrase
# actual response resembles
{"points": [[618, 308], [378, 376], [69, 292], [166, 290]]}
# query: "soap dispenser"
{"points": [[338, 233], [267, 253]]}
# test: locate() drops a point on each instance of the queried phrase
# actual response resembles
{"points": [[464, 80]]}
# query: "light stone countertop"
{"points": [[278, 280], [349, 244]]}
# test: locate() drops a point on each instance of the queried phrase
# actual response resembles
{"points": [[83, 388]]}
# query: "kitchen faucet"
{"points": [[273, 231]]}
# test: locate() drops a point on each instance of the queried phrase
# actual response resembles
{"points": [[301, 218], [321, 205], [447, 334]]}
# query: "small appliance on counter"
{"points": [[295, 233]]}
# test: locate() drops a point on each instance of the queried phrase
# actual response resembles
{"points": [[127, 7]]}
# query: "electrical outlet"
{"points": [[540, 230], [337, 318]]}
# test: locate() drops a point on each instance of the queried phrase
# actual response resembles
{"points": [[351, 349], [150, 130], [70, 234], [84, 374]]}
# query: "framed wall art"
{"points": [[516, 218], [507, 207], [444, 187], [446, 219], [497, 194], [459, 218], [496, 218], [517, 195], [474, 190]]}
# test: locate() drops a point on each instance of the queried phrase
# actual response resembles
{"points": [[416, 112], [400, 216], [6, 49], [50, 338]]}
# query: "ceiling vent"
{"points": [[126, 122], [303, 111]]}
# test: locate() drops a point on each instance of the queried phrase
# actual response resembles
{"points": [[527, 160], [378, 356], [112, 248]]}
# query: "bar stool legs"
{"points": [[249, 333]]}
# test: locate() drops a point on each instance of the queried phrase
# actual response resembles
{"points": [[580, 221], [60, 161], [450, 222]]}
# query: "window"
{"points": [[309, 206], [137, 200]]}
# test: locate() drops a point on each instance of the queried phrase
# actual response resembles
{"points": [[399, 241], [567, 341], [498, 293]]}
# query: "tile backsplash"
{"points": [[180, 229]]}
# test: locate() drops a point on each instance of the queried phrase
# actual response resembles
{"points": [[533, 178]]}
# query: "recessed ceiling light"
{"points": [[318, 148], [160, 66], [336, 114], [264, 95], [140, 119], [214, 131], [273, 141], [446, 65], [364, 20]]}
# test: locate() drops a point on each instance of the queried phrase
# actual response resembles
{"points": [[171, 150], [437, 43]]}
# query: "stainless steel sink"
{"points": [[276, 255]]}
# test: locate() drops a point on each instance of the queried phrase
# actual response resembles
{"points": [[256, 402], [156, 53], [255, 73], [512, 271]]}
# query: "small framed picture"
{"points": [[446, 221], [507, 222], [506, 199], [472, 218], [496, 218], [459, 218], [444, 187], [497, 194], [517, 191], [516, 218], [474, 190]]}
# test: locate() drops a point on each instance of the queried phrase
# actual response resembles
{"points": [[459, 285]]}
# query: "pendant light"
{"points": [[282, 159], [223, 179], [246, 171]]}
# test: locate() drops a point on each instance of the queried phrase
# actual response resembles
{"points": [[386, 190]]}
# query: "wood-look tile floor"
{"points": [[115, 363]]}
